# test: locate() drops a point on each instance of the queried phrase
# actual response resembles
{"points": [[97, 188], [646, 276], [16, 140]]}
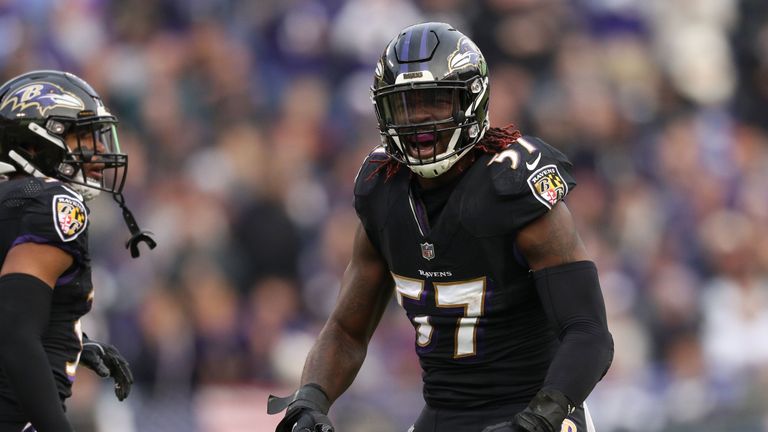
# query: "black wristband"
{"points": [[545, 412], [551, 404], [24, 311], [309, 396]]}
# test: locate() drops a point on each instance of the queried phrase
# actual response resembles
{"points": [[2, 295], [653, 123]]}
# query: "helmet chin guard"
{"points": [[87, 187], [434, 169]]}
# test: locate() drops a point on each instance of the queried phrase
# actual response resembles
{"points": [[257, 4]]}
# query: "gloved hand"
{"points": [[106, 360], [304, 420], [527, 421], [307, 409], [545, 413]]}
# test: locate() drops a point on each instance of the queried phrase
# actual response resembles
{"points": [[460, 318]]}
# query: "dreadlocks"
{"points": [[494, 141], [497, 139]]}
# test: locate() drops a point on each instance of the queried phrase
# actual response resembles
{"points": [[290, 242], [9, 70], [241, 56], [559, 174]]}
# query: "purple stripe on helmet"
{"points": [[406, 43], [423, 48]]}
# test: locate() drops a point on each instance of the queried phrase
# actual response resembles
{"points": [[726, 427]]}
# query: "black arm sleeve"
{"points": [[571, 296], [24, 307]]}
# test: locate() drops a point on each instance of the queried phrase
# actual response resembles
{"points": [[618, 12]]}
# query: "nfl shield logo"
{"points": [[428, 251]]}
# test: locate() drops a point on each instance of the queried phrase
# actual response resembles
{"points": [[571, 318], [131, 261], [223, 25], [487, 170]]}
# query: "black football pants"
{"points": [[440, 420]]}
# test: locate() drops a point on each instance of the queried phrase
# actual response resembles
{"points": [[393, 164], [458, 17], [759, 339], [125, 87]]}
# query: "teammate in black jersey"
{"points": [[478, 247], [58, 149]]}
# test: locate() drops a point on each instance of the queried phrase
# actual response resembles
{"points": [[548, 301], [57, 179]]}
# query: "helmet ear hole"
{"points": [[477, 86], [473, 131], [66, 169], [56, 127]]}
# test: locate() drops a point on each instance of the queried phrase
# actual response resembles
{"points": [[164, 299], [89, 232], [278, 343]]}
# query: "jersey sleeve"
{"points": [[368, 181], [530, 177], [57, 217]]}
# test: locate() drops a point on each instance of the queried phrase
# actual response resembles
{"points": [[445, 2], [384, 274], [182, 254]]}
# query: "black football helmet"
{"points": [[54, 124], [39, 110], [436, 65]]}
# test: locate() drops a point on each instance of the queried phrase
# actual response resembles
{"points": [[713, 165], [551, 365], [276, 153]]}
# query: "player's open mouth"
{"points": [[422, 145], [95, 174]]}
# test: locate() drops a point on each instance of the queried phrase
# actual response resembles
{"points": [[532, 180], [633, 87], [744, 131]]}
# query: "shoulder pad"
{"points": [[372, 172], [530, 166], [52, 185]]}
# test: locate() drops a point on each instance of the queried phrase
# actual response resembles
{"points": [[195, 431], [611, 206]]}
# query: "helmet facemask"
{"points": [[92, 161], [429, 126], [94, 154]]}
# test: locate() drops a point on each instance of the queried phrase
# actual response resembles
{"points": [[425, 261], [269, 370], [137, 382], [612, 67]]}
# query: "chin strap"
{"points": [[137, 235]]}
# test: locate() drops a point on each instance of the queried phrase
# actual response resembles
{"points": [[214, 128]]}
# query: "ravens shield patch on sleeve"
{"points": [[548, 185], [70, 217]]}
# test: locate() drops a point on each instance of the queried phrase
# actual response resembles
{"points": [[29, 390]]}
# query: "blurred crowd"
{"points": [[246, 121]]}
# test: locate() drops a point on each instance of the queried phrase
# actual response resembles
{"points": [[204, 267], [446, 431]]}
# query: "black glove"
{"points": [[307, 409], [545, 413], [106, 360], [304, 420]]}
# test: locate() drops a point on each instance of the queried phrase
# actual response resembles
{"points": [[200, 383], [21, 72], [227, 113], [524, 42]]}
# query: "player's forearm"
{"points": [[571, 296], [24, 305], [582, 359], [334, 361]]}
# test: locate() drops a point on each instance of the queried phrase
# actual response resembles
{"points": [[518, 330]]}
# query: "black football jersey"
{"points": [[46, 211], [481, 334]]}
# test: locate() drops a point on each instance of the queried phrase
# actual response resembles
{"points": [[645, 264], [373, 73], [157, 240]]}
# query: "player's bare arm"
{"points": [[339, 352], [42, 261], [551, 240], [340, 349]]}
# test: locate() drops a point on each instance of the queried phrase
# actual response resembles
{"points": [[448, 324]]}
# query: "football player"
{"points": [[58, 149], [467, 226]]}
